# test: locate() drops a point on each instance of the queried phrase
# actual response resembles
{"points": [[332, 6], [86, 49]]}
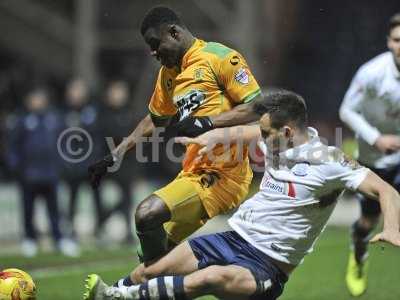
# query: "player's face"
{"points": [[276, 139], [165, 45], [393, 43]]}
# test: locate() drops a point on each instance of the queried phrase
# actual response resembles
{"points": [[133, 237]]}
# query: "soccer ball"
{"points": [[16, 285]]}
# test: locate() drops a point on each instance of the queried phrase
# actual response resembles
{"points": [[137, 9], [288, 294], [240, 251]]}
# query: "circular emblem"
{"points": [[234, 60], [300, 169]]}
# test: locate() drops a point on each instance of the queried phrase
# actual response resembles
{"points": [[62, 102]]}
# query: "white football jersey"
{"points": [[371, 107], [284, 219]]}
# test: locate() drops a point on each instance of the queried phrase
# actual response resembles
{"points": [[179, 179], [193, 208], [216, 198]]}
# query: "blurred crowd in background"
{"points": [[32, 156], [83, 64]]}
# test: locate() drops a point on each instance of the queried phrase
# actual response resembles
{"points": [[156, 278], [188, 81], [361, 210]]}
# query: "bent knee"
{"points": [[150, 213], [215, 277], [220, 279]]}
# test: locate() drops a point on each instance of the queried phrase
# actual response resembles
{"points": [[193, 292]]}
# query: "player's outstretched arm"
{"points": [[99, 168], [375, 188], [240, 114], [143, 129], [244, 134]]}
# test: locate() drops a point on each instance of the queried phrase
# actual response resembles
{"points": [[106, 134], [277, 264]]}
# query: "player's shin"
{"points": [[357, 267], [360, 237], [153, 244]]}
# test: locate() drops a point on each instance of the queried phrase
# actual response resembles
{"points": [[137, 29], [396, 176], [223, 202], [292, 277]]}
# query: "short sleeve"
{"points": [[346, 173], [353, 178], [237, 78], [160, 103]]}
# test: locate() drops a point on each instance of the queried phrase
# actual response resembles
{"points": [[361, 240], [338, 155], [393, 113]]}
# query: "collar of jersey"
{"points": [[196, 45], [294, 153]]}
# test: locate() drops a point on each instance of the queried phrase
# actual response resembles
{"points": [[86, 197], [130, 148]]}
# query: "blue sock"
{"points": [[124, 282], [163, 288]]}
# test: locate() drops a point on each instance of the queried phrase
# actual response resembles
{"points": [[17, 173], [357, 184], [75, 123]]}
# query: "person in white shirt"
{"points": [[371, 108], [272, 231]]}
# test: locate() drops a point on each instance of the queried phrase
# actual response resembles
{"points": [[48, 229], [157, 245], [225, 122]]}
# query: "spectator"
{"points": [[116, 121], [81, 113], [32, 156]]}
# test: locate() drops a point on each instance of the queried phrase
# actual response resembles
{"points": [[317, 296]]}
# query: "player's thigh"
{"points": [[225, 282], [179, 261], [187, 210], [178, 231], [223, 195], [182, 198]]}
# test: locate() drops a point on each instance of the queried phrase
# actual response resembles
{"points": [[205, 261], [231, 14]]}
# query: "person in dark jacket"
{"points": [[32, 156], [81, 114], [116, 120]]}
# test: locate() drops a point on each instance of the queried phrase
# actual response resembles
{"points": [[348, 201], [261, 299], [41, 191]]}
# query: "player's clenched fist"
{"points": [[99, 169]]}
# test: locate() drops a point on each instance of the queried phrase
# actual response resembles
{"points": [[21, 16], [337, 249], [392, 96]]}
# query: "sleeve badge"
{"points": [[242, 76]]}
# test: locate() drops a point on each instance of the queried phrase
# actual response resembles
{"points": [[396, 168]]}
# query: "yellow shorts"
{"points": [[195, 198]]}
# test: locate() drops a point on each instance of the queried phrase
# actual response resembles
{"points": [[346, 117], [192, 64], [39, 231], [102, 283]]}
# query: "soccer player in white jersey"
{"points": [[371, 108], [272, 231]]}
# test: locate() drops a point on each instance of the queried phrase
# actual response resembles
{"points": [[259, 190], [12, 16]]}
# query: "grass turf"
{"points": [[320, 277]]}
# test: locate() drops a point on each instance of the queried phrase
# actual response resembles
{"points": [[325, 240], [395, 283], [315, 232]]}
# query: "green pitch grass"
{"points": [[321, 276]]}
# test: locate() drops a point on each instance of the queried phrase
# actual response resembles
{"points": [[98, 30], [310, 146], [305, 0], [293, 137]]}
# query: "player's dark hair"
{"points": [[158, 16], [394, 22], [283, 106]]}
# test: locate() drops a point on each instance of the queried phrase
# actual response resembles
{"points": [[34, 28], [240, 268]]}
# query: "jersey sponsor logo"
{"points": [[273, 185], [278, 187], [189, 102], [242, 76], [234, 60]]}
